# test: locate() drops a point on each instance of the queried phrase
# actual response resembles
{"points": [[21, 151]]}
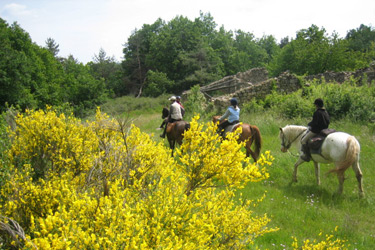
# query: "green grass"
{"points": [[300, 209]]}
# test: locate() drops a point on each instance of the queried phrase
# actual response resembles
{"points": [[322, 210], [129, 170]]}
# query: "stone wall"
{"points": [[288, 83], [241, 80], [255, 83]]}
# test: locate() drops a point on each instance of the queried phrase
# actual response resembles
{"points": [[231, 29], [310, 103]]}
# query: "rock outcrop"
{"points": [[255, 83]]}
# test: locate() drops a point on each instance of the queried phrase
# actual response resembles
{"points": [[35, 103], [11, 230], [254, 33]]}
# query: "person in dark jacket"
{"points": [[319, 122]]}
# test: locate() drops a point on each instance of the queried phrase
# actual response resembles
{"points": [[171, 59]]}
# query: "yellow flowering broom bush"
{"points": [[326, 242], [106, 185]]}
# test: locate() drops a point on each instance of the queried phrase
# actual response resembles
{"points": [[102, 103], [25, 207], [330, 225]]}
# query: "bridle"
{"points": [[290, 142]]}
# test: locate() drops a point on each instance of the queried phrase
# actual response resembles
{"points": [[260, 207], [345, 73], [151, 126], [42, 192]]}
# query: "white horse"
{"points": [[340, 148]]}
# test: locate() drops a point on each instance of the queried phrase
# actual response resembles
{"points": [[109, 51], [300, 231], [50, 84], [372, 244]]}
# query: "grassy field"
{"points": [[300, 209]]}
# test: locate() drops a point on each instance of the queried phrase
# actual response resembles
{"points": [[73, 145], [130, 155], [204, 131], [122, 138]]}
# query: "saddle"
{"points": [[230, 128], [316, 142]]}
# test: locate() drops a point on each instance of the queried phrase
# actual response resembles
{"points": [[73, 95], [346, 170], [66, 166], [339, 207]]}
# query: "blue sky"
{"points": [[82, 27]]}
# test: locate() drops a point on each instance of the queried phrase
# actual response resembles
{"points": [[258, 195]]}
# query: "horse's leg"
{"points": [[317, 172], [358, 174], [299, 162], [249, 151], [341, 178], [173, 145]]}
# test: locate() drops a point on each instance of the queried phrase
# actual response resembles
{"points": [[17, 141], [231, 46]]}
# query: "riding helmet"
{"points": [[233, 101], [319, 102]]}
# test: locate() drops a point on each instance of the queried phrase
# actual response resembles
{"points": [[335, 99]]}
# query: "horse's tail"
{"points": [[255, 133], [352, 154]]}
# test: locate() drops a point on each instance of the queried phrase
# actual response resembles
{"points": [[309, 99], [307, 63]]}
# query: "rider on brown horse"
{"points": [[233, 115], [174, 113]]}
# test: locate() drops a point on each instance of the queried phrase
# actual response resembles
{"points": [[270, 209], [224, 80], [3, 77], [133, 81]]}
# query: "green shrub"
{"points": [[346, 100], [196, 102]]}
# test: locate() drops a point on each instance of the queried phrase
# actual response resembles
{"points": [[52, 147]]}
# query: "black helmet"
{"points": [[233, 101], [319, 102]]}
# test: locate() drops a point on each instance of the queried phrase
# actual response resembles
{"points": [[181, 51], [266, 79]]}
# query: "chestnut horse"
{"points": [[250, 134]]}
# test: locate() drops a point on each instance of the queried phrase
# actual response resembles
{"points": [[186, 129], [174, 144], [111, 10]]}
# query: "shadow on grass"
{"points": [[327, 197]]}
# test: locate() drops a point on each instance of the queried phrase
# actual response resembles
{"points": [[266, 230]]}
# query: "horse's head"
{"points": [[289, 135], [165, 113], [284, 141]]}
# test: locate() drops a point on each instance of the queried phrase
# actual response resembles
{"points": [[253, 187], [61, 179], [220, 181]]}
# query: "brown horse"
{"points": [[250, 134], [175, 132]]}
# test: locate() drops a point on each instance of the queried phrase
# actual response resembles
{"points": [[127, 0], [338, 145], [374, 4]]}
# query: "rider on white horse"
{"points": [[319, 122]]}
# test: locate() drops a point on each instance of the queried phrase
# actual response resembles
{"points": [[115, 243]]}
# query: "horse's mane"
{"points": [[292, 131]]}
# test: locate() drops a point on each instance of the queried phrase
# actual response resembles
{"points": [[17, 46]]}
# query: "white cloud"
{"points": [[16, 10]]}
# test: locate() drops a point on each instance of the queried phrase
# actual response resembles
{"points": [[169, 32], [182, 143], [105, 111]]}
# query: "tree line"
{"points": [[166, 57]]}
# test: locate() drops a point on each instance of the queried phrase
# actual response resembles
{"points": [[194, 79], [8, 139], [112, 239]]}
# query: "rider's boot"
{"points": [[305, 153]]}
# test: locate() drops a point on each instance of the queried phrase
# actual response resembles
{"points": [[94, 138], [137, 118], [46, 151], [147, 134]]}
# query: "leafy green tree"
{"points": [[29, 75], [222, 44], [14, 66], [180, 35], [247, 53], [196, 102], [49, 77], [313, 52], [106, 68], [157, 83], [183, 51], [136, 51], [82, 90], [284, 41], [269, 44], [180, 48], [361, 39]]}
